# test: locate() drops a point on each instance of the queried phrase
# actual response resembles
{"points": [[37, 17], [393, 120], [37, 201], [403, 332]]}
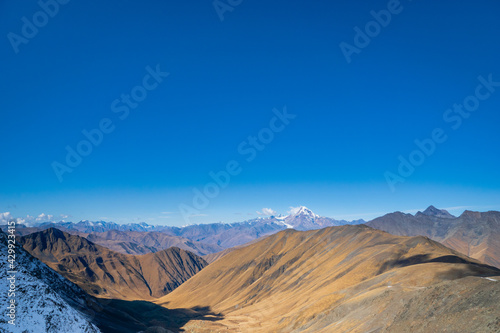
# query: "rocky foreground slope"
{"points": [[45, 302]]}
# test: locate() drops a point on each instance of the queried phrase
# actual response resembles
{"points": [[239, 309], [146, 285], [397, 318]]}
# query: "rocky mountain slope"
{"points": [[105, 273], [45, 302], [344, 279], [474, 234]]}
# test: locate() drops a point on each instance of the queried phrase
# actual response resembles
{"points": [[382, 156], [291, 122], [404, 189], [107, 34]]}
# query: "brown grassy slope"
{"points": [[474, 234], [343, 279], [104, 273]]}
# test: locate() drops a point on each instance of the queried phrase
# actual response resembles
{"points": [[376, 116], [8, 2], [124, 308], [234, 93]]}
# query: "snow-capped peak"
{"points": [[302, 210]]}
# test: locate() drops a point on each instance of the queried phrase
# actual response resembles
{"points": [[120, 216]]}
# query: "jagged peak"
{"points": [[433, 211]]}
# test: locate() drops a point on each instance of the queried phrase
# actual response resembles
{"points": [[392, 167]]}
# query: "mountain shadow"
{"points": [[119, 316], [474, 268]]}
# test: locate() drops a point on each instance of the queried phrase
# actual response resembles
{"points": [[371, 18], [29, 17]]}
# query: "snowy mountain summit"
{"points": [[302, 211], [302, 218]]}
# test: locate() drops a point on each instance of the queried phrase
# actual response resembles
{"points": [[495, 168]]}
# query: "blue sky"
{"points": [[351, 121]]}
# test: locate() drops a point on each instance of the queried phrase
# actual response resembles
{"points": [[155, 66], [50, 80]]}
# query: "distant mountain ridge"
{"points": [[475, 234], [138, 242], [301, 218], [228, 235], [212, 237]]}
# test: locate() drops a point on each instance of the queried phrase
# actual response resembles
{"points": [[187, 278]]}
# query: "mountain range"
{"points": [[198, 238], [300, 218], [428, 272], [474, 234]]}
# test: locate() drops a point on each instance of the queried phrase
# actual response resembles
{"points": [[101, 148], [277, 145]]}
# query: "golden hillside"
{"points": [[343, 279]]}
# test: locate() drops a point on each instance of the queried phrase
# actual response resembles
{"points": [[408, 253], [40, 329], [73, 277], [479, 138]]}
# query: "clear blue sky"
{"points": [[225, 78]]}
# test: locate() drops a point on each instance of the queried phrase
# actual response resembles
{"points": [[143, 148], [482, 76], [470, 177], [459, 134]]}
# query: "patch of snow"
{"points": [[490, 279]]}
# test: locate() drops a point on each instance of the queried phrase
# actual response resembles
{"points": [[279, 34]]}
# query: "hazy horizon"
{"points": [[167, 220]]}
